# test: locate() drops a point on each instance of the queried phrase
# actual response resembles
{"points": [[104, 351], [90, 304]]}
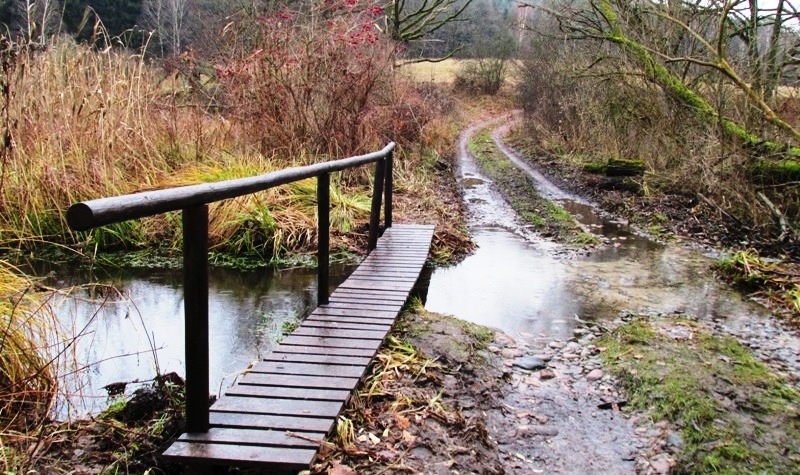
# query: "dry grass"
{"points": [[443, 72], [31, 355], [87, 124]]}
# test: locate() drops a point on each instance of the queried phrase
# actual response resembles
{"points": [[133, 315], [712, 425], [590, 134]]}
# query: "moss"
{"points": [[734, 414], [783, 170], [675, 87], [533, 218], [595, 167], [586, 239]]}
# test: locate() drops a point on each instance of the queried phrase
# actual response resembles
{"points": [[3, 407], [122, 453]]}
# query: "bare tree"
{"points": [[413, 20], [168, 20], [671, 41]]}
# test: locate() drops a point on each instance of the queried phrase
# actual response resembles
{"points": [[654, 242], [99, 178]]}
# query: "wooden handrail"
{"points": [[91, 214], [193, 201]]}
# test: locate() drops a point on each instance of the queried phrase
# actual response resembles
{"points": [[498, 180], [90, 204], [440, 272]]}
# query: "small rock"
{"points": [[530, 363], [502, 340], [541, 418], [546, 374], [547, 431], [661, 464], [594, 375], [543, 356], [556, 345], [574, 347], [675, 441]]}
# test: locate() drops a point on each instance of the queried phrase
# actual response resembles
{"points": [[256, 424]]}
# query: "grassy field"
{"points": [[443, 72]]}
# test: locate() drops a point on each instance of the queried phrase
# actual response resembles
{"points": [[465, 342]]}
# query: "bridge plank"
{"points": [[341, 333], [309, 369], [332, 342], [296, 381], [348, 312], [277, 407], [262, 421], [280, 392], [304, 383], [345, 325], [280, 458], [316, 350], [318, 358], [348, 319], [267, 438]]}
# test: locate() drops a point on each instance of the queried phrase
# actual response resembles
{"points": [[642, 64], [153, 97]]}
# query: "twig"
{"points": [[719, 208], [781, 185], [786, 228], [321, 442]]}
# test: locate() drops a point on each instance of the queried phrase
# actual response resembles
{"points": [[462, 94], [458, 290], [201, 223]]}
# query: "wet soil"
{"points": [[468, 404], [454, 398]]}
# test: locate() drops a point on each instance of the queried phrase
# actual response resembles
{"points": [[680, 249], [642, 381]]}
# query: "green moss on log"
{"points": [[594, 167]]}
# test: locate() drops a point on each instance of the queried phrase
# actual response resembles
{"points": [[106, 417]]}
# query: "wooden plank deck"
{"points": [[292, 398]]}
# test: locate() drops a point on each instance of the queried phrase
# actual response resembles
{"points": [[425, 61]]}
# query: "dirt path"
{"points": [[546, 404]]}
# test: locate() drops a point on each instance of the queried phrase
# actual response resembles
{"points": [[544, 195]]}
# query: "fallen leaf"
{"points": [[373, 438], [337, 468], [408, 438], [402, 421]]}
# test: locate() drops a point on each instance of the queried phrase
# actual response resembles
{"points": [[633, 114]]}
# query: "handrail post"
{"points": [[387, 206], [195, 291], [324, 237], [375, 212]]}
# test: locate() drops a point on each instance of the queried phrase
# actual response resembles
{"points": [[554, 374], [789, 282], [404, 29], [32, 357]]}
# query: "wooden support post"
{"points": [[324, 237], [195, 275], [375, 213], [387, 206]]}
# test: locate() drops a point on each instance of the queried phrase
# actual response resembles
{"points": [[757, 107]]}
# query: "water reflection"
{"points": [[525, 286], [128, 335], [509, 283]]}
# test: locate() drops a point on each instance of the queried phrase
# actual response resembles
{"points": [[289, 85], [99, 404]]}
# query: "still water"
{"points": [[131, 326], [516, 281], [535, 289]]}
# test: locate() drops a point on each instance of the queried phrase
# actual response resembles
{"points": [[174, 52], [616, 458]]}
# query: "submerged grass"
{"points": [[774, 281], [735, 416], [547, 217]]}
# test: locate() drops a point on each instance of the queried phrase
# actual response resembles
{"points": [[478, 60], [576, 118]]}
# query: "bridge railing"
{"points": [[193, 201]]}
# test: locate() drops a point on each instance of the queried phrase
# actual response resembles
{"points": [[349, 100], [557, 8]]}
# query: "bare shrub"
{"points": [[307, 80]]}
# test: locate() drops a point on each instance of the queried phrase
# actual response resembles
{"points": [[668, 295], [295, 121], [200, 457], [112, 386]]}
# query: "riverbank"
{"points": [[447, 395]]}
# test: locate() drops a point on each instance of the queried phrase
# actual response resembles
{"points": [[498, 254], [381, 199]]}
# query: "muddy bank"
{"points": [[448, 397]]}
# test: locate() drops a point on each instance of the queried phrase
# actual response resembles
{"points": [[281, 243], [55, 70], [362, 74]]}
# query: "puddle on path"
{"points": [[528, 287]]}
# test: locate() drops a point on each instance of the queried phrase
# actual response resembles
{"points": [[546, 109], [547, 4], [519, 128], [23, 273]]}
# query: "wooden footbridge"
{"points": [[280, 411]]}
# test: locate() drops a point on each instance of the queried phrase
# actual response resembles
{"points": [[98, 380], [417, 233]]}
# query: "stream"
{"points": [[543, 297], [130, 325], [528, 287], [535, 289]]}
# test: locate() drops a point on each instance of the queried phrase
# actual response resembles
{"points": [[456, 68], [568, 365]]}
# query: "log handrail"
{"points": [[193, 201]]}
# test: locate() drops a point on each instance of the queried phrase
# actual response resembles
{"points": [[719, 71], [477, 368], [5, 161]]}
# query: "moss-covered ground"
{"points": [[735, 416]]}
